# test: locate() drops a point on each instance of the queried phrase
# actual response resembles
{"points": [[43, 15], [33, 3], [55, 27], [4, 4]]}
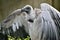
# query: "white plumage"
{"points": [[40, 24]]}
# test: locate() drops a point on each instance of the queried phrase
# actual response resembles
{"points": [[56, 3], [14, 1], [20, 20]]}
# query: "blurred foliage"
{"points": [[14, 38]]}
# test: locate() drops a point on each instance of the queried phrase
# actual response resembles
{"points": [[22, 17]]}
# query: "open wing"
{"points": [[55, 15], [16, 23]]}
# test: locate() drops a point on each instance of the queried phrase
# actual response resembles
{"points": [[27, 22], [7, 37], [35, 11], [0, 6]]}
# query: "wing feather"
{"points": [[55, 15]]}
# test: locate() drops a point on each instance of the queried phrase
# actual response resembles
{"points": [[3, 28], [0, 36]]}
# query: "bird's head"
{"points": [[29, 13]]}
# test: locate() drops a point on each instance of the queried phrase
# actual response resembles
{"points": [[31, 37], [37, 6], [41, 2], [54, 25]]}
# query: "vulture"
{"points": [[39, 23]]}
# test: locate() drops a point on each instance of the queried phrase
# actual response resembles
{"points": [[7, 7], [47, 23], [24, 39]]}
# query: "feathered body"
{"points": [[40, 24]]}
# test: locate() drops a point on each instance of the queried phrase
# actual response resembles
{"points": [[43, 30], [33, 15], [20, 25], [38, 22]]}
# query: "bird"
{"points": [[39, 23]]}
